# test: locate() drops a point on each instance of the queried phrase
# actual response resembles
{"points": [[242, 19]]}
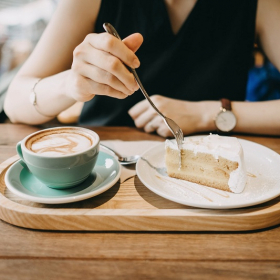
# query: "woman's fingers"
{"points": [[101, 89], [146, 117], [157, 125], [91, 88], [110, 44], [133, 41], [98, 67], [142, 113], [153, 124], [112, 65], [101, 76], [139, 109], [143, 119]]}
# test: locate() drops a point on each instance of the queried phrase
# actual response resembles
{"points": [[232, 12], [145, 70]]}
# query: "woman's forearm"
{"points": [[257, 117], [252, 117], [195, 117], [50, 96]]}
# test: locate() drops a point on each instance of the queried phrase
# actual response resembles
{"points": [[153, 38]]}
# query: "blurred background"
{"points": [[22, 23]]}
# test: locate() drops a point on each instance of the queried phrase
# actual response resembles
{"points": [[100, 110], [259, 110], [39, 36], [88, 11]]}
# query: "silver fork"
{"points": [[174, 128]]}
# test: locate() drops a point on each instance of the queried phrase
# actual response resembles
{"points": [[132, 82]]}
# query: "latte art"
{"points": [[59, 144]]}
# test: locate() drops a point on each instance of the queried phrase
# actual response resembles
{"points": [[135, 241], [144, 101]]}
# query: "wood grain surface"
{"points": [[43, 254]]}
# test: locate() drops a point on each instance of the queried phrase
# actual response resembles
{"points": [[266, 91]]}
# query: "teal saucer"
{"points": [[21, 182]]}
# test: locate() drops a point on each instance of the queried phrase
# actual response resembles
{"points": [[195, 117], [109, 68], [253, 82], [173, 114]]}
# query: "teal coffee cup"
{"points": [[60, 157]]}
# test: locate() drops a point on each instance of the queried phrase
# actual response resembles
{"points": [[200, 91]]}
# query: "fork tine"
{"points": [[179, 140], [181, 135]]}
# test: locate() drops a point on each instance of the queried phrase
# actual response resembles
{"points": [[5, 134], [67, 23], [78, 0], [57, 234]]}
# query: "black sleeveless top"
{"points": [[207, 59]]}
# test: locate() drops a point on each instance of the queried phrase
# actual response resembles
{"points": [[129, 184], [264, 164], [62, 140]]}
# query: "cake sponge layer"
{"points": [[211, 162]]}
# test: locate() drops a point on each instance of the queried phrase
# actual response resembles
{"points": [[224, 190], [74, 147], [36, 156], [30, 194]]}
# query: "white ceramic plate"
{"points": [[263, 180], [21, 182]]}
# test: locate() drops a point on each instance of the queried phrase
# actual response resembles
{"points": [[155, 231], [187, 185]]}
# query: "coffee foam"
{"points": [[59, 142]]}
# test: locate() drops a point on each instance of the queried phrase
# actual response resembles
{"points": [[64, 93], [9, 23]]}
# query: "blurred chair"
{"points": [[263, 80]]}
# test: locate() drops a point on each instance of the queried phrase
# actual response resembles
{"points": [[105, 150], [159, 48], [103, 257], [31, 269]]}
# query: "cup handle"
{"points": [[19, 151]]}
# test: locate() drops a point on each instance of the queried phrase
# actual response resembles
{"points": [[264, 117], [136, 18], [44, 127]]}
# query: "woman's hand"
{"points": [[192, 117], [98, 68]]}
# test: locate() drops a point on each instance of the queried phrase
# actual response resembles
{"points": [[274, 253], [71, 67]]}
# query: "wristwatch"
{"points": [[225, 120]]}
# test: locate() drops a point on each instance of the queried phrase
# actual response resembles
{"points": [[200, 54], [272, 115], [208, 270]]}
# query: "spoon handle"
{"points": [[116, 153]]}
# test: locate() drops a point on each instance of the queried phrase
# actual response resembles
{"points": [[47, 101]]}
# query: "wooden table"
{"points": [[37, 254]]}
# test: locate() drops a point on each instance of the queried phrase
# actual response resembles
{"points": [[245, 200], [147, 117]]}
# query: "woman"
{"points": [[194, 53]]}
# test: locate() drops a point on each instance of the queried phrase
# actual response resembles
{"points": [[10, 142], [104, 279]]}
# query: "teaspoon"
{"points": [[123, 160]]}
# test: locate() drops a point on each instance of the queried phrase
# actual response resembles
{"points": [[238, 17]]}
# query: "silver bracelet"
{"points": [[33, 100]]}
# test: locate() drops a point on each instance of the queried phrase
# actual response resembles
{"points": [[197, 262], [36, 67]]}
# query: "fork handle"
{"points": [[109, 28]]}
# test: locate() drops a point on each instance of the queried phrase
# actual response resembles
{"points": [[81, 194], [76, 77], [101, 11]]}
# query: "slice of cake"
{"points": [[214, 161]]}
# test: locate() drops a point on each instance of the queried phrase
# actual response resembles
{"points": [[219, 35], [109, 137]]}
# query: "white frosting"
{"points": [[219, 146], [61, 144]]}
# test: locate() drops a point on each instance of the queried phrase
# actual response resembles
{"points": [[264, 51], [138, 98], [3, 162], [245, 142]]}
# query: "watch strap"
{"points": [[226, 104]]}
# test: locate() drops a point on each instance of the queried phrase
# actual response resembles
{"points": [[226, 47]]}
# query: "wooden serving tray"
{"points": [[130, 207]]}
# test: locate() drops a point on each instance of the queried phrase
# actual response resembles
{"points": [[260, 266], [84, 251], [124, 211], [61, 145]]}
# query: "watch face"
{"points": [[225, 121]]}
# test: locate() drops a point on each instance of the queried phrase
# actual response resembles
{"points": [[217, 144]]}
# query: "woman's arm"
{"points": [[263, 117], [267, 29], [194, 117], [75, 63], [51, 58]]}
